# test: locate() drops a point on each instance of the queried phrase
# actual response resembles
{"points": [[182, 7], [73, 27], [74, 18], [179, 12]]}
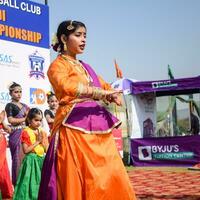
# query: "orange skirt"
{"points": [[89, 167]]}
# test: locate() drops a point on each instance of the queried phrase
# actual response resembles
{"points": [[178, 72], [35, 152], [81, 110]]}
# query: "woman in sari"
{"points": [[82, 162], [16, 114], [6, 188]]}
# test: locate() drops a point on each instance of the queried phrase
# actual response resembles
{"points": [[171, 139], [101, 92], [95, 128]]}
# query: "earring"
{"points": [[65, 47]]}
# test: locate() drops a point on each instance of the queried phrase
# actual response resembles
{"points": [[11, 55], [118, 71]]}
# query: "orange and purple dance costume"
{"points": [[82, 162]]}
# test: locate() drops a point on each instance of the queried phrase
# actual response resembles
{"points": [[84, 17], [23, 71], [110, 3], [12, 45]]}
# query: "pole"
{"points": [[46, 2]]}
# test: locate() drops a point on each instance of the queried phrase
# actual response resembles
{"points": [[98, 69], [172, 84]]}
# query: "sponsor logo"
{"points": [[116, 86], [36, 62], [4, 97], [144, 153], [37, 96], [8, 60], [163, 84], [163, 152]]}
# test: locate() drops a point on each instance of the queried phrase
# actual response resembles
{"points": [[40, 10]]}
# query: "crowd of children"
{"points": [[28, 144]]}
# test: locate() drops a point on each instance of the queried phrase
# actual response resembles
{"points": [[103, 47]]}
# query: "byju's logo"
{"points": [[144, 153], [37, 96], [36, 65], [164, 152]]}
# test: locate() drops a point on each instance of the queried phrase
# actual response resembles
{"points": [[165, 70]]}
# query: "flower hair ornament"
{"points": [[70, 26], [54, 40], [49, 93], [55, 43]]}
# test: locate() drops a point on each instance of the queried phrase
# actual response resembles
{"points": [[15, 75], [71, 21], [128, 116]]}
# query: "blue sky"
{"points": [[143, 35]]}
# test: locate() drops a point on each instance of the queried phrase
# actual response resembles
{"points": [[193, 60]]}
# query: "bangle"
{"points": [[98, 93], [80, 90]]}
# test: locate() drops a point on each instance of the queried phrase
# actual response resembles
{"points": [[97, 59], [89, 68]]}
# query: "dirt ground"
{"points": [[165, 183]]}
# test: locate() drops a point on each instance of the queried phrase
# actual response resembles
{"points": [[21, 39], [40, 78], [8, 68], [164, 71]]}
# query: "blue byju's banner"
{"points": [[166, 151], [24, 22]]}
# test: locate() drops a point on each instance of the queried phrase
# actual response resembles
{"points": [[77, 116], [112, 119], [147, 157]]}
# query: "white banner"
{"points": [[26, 65], [143, 108]]}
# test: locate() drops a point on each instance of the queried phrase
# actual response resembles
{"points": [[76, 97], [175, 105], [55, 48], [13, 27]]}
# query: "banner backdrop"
{"points": [[117, 133], [166, 151], [24, 51], [143, 115]]}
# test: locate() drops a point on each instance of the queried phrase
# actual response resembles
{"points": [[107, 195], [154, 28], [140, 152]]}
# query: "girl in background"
{"points": [[16, 112], [6, 187], [53, 105], [35, 143]]}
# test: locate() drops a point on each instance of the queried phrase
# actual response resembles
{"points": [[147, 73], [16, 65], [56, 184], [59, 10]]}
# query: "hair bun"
{"points": [[56, 47], [10, 84], [55, 43]]}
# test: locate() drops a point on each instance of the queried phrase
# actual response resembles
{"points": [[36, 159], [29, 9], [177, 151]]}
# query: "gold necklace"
{"points": [[78, 66], [71, 60]]}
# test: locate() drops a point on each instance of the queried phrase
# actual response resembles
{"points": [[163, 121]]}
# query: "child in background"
{"points": [[6, 187], [53, 105], [35, 143]]}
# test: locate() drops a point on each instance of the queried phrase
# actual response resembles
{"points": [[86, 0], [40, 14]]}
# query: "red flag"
{"points": [[118, 70]]}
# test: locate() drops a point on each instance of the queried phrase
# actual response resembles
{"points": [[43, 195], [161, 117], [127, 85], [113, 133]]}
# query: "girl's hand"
{"points": [[117, 99], [114, 97], [1, 134], [39, 137], [2, 116]]}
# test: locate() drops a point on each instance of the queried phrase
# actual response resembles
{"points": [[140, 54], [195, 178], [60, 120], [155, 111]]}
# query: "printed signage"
{"points": [[24, 22], [167, 151]]}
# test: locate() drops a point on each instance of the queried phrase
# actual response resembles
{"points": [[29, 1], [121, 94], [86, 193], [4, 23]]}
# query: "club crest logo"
{"points": [[37, 66]]}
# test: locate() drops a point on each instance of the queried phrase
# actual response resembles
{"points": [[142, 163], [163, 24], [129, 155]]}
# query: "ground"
{"points": [[165, 183]]}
